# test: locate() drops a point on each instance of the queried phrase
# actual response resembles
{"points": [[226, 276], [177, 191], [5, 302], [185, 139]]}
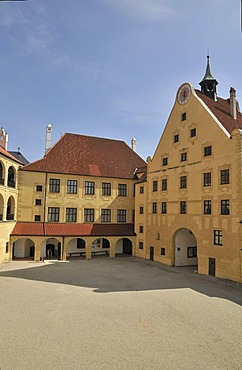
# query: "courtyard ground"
{"points": [[124, 313]]}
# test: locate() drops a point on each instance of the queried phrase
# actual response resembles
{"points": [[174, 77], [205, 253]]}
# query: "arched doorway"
{"points": [[124, 246], [100, 246], [51, 249], [76, 247], [185, 244], [23, 249], [10, 209]]}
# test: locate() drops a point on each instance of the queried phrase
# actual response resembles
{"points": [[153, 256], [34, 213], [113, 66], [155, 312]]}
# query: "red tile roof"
{"points": [[221, 110], [8, 155], [62, 229], [90, 156]]}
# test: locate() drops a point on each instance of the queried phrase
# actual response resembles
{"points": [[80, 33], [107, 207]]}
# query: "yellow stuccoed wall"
{"points": [[161, 228], [6, 192], [27, 195]]}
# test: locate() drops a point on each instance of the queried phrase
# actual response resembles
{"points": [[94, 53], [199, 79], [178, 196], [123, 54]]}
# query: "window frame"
{"points": [[106, 189], [155, 186], [192, 252], [54, 185], [71, 186], [164, 184], [164, 208], [122, 190], [183, 207], [183, 182], [121, 215], [89, 214], [53, 214], [225, 207], [89, 187], [224, 176], [184, 157], [208, 150], [105, 215], [71, 214], [218, 237], [207, 179], [207, 207], [154, 207], [193, 132]]}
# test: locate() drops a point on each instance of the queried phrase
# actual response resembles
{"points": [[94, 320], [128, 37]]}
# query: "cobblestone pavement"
{"points": [[124, 314]]}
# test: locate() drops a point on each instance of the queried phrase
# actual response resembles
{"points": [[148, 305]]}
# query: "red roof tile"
{"points": [[59, 229], [221, 110], [8, 155], [91, 156]]}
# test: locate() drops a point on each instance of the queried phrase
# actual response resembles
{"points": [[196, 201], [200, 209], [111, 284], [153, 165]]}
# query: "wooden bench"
{"points": [[70, 254], [99, 252]]}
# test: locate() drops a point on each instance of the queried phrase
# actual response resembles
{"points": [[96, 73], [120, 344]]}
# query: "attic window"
{"points": [[207, 150], [183, 116]]}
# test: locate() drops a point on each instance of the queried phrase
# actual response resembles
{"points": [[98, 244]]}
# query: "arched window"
{"points": [[11, 177]]}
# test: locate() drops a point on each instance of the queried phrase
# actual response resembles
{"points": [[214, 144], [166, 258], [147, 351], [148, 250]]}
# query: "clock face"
{"points": [[184, 94]]}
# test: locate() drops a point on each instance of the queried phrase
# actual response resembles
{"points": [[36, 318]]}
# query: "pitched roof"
{"points": [[65, 229], [19, 156], [91, 156], [221, 110], [8, 155]]}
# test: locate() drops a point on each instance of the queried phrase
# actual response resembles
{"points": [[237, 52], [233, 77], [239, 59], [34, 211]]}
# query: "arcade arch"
{"points": [[23, 248], [51, 248], [185, 248], [124, 246], [10, 208]]}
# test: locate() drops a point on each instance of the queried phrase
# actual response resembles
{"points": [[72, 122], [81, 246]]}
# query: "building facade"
{"points": [[77, 200], [188, 209], [9, 166]]}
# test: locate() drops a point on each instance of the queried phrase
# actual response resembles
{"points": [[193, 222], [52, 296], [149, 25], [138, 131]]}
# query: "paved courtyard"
{"points": [[117, 314]]}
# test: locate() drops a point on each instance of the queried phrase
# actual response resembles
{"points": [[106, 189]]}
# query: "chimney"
{"points": [[133, 144], [233, 103], [3, 138], [48, 137]]}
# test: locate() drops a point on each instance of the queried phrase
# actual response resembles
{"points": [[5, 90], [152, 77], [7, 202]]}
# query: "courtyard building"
{"points": [[189, 204]]}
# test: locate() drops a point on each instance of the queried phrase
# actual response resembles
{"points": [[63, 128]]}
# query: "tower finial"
{"points": [[209, 83]]}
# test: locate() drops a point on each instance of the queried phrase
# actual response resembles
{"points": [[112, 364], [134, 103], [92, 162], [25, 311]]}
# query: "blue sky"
{"points": [[109, 68]]}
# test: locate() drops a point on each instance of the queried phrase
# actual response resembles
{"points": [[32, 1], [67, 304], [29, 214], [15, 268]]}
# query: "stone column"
{"points": [[64, 250], [112, 250], [88, 251], [37, 253]]}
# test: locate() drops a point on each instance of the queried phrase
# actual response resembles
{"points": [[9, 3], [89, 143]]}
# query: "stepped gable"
{"points": [[90, 156], [221, 110]]}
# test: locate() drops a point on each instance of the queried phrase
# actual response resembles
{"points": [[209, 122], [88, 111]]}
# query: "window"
{"points": [[163, 207], [38, 187], [207, 179], [89, 187], [191, 252], [183, 182], [53, 214], [72, 186], [54, 185], [121, 215], [122, 190], [141, 210], [164, 161], [80, 243], [155, 185], [37, 218], [183, 207], [106, 188], [207, 207], [164, 184], [183, 157], [224, 176], [141, 245], [6, 248], [163, 251], [207, 150], [38, 202], [154, 207], [88, 214], [141, 229], [217, 237], [106, 215], [183, 117], [176, 138], [141, 190], [71, 214], [193, 132], [225, 207]]}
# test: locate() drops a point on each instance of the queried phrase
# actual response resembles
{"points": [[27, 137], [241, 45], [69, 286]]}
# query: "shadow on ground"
{"points": [[125, 274]]}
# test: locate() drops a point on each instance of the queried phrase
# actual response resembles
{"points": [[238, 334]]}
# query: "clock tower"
{"points": [[209, 83]]}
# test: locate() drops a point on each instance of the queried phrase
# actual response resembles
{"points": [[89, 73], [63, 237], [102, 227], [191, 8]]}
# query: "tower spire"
{"points": [[209, 83]]}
